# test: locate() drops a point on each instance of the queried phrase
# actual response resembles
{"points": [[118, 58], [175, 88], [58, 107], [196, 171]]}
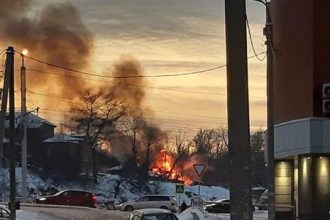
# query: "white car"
{"points": [[153, 201], [4, 213], [152, 214]]}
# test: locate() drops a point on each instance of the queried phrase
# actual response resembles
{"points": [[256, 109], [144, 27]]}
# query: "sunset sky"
{"points": [[168, 37]]}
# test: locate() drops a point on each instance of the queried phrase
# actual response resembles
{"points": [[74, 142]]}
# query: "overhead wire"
{"points": [[133, 76], [132, 85], [251, 41]]}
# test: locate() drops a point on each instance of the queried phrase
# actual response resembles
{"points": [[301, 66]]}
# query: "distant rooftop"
{"points": [[32, 120], [62, 138]]}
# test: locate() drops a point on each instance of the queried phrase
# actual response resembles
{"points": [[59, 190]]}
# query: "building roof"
{"points": [[32, 120], [62, 138]]}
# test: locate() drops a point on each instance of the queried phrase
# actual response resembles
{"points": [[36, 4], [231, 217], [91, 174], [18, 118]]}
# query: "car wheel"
{"points": [[129, 208], [163, 207]]}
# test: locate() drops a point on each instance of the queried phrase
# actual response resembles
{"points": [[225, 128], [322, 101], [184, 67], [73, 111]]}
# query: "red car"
{"points": [[70, 197]]}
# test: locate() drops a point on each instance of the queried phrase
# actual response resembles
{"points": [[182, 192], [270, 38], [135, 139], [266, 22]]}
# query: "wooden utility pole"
{"points": [[10, 73], [4, 102], [238, 111], [270, 115], [24, 127]]}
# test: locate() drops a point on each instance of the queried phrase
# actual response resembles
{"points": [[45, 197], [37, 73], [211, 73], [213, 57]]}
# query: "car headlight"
{"points": [[42, 199]]}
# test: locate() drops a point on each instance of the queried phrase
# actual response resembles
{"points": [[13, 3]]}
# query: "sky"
{"points": [[175, 36]]}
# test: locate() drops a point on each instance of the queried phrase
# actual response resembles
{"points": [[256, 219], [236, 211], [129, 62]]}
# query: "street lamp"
{"points": [[23, 123]]}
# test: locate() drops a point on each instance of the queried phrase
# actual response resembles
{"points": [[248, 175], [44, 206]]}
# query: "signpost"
{"points": [[179, 189], [199, 168]]}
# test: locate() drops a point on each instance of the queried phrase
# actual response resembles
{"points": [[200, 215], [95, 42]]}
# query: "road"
{"points": [[72, 213], [80, 213]]}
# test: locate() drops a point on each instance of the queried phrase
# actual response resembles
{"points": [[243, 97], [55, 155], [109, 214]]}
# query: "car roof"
{"points": [[158, 195], [76, 190], [151, 211], [222, 200]]}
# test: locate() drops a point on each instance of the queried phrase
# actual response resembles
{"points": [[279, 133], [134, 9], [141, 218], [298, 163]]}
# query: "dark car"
{"points": [[70, 197], [152, 214], [220, 206]]}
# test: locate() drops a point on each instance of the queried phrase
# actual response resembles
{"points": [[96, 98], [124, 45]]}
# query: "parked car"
{"points": [[152, 214], [4, 213], [219, 206], [153, 201], [70, 197]]}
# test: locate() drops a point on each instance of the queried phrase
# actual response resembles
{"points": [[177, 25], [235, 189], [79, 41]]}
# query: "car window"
{"points": [[143, 199], [166, 216], [159, 198]]}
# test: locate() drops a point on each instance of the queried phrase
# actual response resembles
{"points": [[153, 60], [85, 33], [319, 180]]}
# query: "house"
{"points": [[38, 129], [63, 154]]}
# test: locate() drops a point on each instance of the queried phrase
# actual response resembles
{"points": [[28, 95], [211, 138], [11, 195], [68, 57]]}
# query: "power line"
{"points": [[252, 44], [133, 76], [164, 119], [51, 95], [126, 84], [132, 85]]}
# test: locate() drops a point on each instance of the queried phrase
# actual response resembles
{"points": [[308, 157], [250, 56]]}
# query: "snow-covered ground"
{"points": [[188, 215], [109, 188]]}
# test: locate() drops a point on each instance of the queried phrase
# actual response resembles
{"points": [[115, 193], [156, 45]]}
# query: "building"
{"points": [[302, 128], [38, 129], [63, 155]]}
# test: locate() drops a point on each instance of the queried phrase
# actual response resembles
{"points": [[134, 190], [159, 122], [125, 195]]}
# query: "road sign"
{"points": [[179, 188], [199, 168]]}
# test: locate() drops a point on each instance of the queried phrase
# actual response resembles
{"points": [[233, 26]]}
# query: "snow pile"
{"points": [[110, 188]]}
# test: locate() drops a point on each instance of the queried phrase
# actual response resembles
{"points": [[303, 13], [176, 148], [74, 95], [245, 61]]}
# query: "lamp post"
{"points": [[23, 123]]}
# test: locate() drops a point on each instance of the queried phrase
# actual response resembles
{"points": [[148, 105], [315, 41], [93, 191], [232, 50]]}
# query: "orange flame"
{"points": [[165, 165]]}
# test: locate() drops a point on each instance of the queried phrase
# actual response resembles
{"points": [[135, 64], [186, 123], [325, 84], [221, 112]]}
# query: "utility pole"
{"points": [[4, 102], [238, 111], [10, 73], [270, 115], [23, 123]]}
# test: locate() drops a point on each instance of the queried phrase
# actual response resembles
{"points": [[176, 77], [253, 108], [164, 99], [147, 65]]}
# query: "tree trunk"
{"points": [[94, 164]]}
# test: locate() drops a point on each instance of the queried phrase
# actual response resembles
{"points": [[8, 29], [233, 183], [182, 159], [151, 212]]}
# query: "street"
{"points": [[46, 213], [72, 213]]}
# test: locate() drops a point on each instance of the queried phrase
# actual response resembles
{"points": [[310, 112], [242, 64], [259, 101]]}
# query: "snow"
{"points": [[62, 139], [110, 188], [187, 215]]}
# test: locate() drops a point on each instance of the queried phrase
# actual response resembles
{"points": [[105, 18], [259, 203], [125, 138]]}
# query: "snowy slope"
{"points": [[109, 188]]}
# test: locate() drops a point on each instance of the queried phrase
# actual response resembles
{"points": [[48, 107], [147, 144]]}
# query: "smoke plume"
{"points": [[57, 35]]}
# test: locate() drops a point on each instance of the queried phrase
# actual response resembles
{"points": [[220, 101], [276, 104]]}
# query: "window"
{"points": [[143, 199], [166, 216], [159, 198]]}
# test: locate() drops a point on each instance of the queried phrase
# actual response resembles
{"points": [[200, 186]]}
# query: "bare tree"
{"points": [[220, 142], [95, 116], [182, 144], [204, 141]]}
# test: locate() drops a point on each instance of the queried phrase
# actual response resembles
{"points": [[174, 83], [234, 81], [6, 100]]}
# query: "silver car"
{"points": [[152, 214], [153, 201], [4, 213]]}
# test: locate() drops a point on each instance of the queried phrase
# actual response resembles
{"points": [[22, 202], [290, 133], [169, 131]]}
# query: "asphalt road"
{"points": [[46, 213]]}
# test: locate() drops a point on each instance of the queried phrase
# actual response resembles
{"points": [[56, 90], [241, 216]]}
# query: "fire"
{"points": [[166, 165]]}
